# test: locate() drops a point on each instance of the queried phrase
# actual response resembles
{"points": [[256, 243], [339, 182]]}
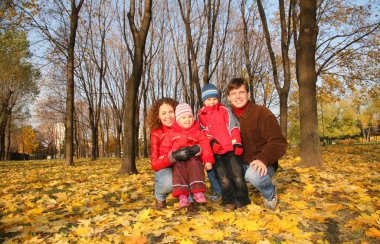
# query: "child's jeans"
{"points": [[229, 170], [215, 186]]}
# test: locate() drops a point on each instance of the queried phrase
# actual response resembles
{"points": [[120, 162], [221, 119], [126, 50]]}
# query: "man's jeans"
{"points": [[163, 186], [262, 183]]}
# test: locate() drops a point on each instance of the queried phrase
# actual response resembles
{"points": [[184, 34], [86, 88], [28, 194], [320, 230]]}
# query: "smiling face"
{"points": [[166, 114], [238, 97], [211, 101], [186, 121]]}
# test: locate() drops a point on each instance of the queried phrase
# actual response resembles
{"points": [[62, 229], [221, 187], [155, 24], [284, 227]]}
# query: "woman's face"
{"points": [[166, 114]]}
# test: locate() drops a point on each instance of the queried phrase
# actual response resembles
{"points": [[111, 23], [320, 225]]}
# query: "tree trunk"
{"points": [[137, 126], [128, 164], [69, 134], [5, 112], [284, 113], [119, 131], [285, 42], [8, 139], [283, 92], [145, 114], [306, 75], [191, 56], [95, 143]]}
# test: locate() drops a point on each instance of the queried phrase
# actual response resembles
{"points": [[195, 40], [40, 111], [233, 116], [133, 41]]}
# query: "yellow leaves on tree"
{"points": [[27, 140]]}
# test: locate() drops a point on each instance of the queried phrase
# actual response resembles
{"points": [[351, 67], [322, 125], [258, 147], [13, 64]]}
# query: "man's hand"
{"points": [[183, 154], [208, 166], [259, 167]]}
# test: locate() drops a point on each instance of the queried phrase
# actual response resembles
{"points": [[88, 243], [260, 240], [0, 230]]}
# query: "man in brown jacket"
{"points": [[262, 139]]}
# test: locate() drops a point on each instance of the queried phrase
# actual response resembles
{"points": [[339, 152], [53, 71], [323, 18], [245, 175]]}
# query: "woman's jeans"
{"points": [[163, 186], [262, 183], [229, 170]]}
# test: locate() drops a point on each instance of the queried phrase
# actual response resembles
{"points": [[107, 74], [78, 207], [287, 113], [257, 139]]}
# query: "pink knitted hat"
{"points": [[181, 110]]}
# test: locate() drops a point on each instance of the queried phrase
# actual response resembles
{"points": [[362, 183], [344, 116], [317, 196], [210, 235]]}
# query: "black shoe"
{"points": [[243, 203], [160, 204], [230, 207], [192, 207]]}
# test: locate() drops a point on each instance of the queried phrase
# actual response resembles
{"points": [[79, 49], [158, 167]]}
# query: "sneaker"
{"points": [[243, 203], [271, 204], [216, 197], [199, 197], [183, 201]]}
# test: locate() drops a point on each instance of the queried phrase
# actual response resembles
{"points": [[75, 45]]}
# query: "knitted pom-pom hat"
{"points": [[181, 110], [209, 91]]}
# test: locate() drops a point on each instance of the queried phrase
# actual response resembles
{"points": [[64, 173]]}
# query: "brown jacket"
{"points": [[261, 135]]}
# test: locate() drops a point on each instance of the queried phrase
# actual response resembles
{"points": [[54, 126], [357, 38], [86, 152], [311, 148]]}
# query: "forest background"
{"points": [[189, 44]]}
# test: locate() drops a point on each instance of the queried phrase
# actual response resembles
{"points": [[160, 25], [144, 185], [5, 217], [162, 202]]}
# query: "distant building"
{"points": [[59, 133]]}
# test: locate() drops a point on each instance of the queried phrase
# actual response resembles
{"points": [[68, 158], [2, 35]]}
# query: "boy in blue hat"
{"points": [[223, 131]]}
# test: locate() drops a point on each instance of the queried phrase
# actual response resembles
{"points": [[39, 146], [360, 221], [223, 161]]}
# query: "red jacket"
{"points": [[220, 124], [179, 137], [156, 138]]}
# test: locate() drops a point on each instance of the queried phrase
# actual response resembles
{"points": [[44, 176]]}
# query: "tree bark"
{"points": [[128, 164], [306, 73], [5, 113], [191, 55], [69, 134], [283, 92]]}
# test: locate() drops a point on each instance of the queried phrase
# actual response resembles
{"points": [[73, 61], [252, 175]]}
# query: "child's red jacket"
{"points": [[179, 137], [220, 124]]}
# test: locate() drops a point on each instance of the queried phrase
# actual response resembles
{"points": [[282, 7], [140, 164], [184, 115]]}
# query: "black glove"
{"points": [[196, 149], [183, 154]]}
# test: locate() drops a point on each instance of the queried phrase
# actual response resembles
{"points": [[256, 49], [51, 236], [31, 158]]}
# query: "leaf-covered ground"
{"points": [[47, 202]]}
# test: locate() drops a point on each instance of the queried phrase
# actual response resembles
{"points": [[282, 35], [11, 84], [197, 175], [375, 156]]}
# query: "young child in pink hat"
{"points": [[189, 151]]}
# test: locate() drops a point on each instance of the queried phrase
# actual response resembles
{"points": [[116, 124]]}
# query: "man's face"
{"points": [[238, 97]]}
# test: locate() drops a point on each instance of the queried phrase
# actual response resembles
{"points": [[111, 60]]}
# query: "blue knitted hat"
{"points": [[209, 91]]}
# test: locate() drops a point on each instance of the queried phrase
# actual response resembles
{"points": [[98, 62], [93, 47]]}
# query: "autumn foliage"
{"points": [[46, 201]]}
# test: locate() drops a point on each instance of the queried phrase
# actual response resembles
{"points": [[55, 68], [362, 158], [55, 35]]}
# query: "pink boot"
{"points": [[199, 197], [183, 201]]}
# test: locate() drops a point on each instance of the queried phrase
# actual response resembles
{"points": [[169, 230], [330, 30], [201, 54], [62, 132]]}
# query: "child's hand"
{"points": [[208, 166], [182, 154], [238, 149], [216, 147]]}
